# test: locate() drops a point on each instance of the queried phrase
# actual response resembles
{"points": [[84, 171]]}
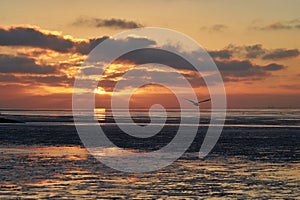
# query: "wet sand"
{"points": [[44, 159], [70, 172]]}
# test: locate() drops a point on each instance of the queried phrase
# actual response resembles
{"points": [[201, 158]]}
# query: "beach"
{"points": [[256, 157]]}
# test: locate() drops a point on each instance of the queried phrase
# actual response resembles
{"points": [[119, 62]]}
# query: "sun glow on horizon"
{"points": [[99, 90]]}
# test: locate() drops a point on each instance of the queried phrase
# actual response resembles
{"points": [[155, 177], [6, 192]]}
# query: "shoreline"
{"points": [[4, 120]]}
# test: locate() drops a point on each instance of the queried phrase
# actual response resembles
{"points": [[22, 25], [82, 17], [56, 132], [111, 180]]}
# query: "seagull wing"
{"points": [[191, 101], [204, 101]]}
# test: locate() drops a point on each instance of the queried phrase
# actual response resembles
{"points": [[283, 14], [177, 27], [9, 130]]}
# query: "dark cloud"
{"points": [[277, 26], [218, 27], [281, 54], [258, 51], [248, 52], [254, 51], [85, 47], [246, 69], [222, 54], [13, 64], [51, 80], [149, 55], [144, 56], [215, 28], [235, 65], [34, 53], [8, 78], [35, 37], [281, 25], [111, 23], [29, 36], [273, 67], [231, 71]]}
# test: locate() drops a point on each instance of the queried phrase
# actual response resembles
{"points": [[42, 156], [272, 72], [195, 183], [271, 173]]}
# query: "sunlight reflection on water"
{"points": [[60, 171], [257, 156]]}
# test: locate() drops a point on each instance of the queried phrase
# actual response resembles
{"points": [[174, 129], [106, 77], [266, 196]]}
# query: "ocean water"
{"points": [[257, 156]]}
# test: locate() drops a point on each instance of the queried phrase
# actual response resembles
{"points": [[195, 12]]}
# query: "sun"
{"points": [[99, 90]]}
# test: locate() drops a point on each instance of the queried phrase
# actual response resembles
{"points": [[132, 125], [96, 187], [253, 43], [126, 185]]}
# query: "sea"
{"points": [[256, 157]]}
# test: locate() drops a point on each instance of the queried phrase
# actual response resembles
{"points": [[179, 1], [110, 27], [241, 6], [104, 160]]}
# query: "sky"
{"points": [[255, 45]]}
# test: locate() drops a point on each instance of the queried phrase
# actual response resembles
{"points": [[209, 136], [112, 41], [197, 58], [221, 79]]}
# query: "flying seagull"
{"points": [[197, 103]]}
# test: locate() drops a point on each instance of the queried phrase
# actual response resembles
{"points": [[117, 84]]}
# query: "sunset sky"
{"points": [[255, 44]]}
